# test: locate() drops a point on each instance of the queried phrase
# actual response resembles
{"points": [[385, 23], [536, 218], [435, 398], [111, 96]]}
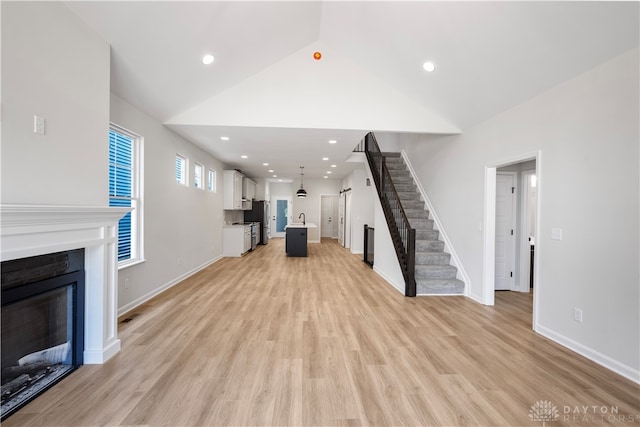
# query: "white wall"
{"points": [[586, 131], [183, 225], [55, 67], [362, 206], [311, 204], [385, 259]]}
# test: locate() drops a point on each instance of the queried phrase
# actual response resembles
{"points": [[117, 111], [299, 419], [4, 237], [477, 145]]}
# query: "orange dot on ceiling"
{"points": [[317, 56]]}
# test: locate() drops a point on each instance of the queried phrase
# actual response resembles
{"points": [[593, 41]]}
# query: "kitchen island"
{"points": [[296, 239]]}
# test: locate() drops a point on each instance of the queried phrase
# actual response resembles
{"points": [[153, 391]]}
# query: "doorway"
{"points": [[281, 216], [528, 229], [344, 216], [329, 216], [489, 225]]}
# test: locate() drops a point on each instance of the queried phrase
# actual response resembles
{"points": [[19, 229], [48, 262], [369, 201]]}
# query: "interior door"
{"points": [[505, 231], [280, 216], [341, 219], [347, 219], [328, 216]]}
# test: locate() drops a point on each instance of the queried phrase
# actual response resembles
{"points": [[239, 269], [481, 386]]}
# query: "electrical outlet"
{"points": [[126, 283], [39, 125], [577, 314], [179, 261], [556, 234]]}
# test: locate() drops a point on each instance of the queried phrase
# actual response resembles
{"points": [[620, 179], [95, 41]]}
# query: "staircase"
{"points": [[433, 272]]}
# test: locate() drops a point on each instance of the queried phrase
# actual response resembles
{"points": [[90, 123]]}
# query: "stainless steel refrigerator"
{"points": [[260, 213]]}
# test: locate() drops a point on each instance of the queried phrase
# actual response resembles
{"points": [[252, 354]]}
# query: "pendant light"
{"points": [[301, 193]]}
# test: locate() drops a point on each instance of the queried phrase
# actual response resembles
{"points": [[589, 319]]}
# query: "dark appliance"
{"points": [[254, 234], [260, 213]]}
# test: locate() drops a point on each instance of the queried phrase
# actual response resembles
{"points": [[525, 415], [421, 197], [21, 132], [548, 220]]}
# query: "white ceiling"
{"points": [[489, 56]]}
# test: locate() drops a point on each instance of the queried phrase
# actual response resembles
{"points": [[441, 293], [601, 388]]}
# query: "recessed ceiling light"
{"points": [[429, 66], [334, 166], [325, 177], [207, 59], [279, 180], [325, 158], [224, 138], [275, 176], [328, 171], [265, 164], [270, 171], [333, 141], [244, 157]]}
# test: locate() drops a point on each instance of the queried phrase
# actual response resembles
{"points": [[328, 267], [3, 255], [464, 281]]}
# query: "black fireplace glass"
{"points": [[42, 336]]}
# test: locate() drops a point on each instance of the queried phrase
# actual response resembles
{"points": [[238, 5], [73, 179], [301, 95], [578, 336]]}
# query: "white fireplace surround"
{"points": [[30, 230]]}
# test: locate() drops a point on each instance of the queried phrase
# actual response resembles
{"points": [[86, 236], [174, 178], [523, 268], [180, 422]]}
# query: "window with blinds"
{"points": [[181, 169], [197, 176], [124, 190]]}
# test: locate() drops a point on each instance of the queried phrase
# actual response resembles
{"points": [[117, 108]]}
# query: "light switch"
{"points": [[556, 234]]}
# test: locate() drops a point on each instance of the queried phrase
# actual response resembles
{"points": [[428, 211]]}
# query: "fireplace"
{"points": [[42, 324], [32, 230]]}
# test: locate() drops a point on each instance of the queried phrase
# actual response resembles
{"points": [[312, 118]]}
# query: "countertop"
{"points": [[246, 224], [301, 225]]}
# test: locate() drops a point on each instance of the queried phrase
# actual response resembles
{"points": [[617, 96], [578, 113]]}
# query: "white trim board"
{"points": [[396, 286], [591, 354]]}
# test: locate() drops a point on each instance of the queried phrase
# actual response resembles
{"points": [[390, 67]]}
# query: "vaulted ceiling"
{"points": [[279, 105]]}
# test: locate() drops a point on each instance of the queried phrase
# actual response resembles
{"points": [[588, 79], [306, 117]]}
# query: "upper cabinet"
{"points": [[232, 197], [248, 193], [239, 191]]}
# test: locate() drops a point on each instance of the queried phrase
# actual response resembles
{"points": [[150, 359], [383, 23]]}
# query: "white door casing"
{"points": [[528, 220]]}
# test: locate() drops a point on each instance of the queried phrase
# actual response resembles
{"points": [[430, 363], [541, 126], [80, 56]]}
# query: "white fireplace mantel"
{"points": [[31, 230]]}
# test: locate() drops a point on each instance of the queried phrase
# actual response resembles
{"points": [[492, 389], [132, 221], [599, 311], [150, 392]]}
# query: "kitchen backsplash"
{"points": [[231, 217]]}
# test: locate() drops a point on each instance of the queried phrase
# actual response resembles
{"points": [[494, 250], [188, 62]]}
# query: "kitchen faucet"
{"points": [[303, 218]]}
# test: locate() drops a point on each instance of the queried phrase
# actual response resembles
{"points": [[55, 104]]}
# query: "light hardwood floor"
{"points": [[270, 340]]}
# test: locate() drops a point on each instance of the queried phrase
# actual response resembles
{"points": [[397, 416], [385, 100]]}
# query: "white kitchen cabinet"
{"points": [[248, 193], [232, 197], [236, 240]]}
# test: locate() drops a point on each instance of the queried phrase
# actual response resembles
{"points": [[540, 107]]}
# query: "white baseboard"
{"points": [[440, 295], [398, 286], [591, 354], [98, 357], [476, 298], [139, 301]]}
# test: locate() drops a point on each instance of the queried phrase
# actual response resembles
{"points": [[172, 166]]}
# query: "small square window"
{"points": [[211, 182], [182, 166], [197, 176]]}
